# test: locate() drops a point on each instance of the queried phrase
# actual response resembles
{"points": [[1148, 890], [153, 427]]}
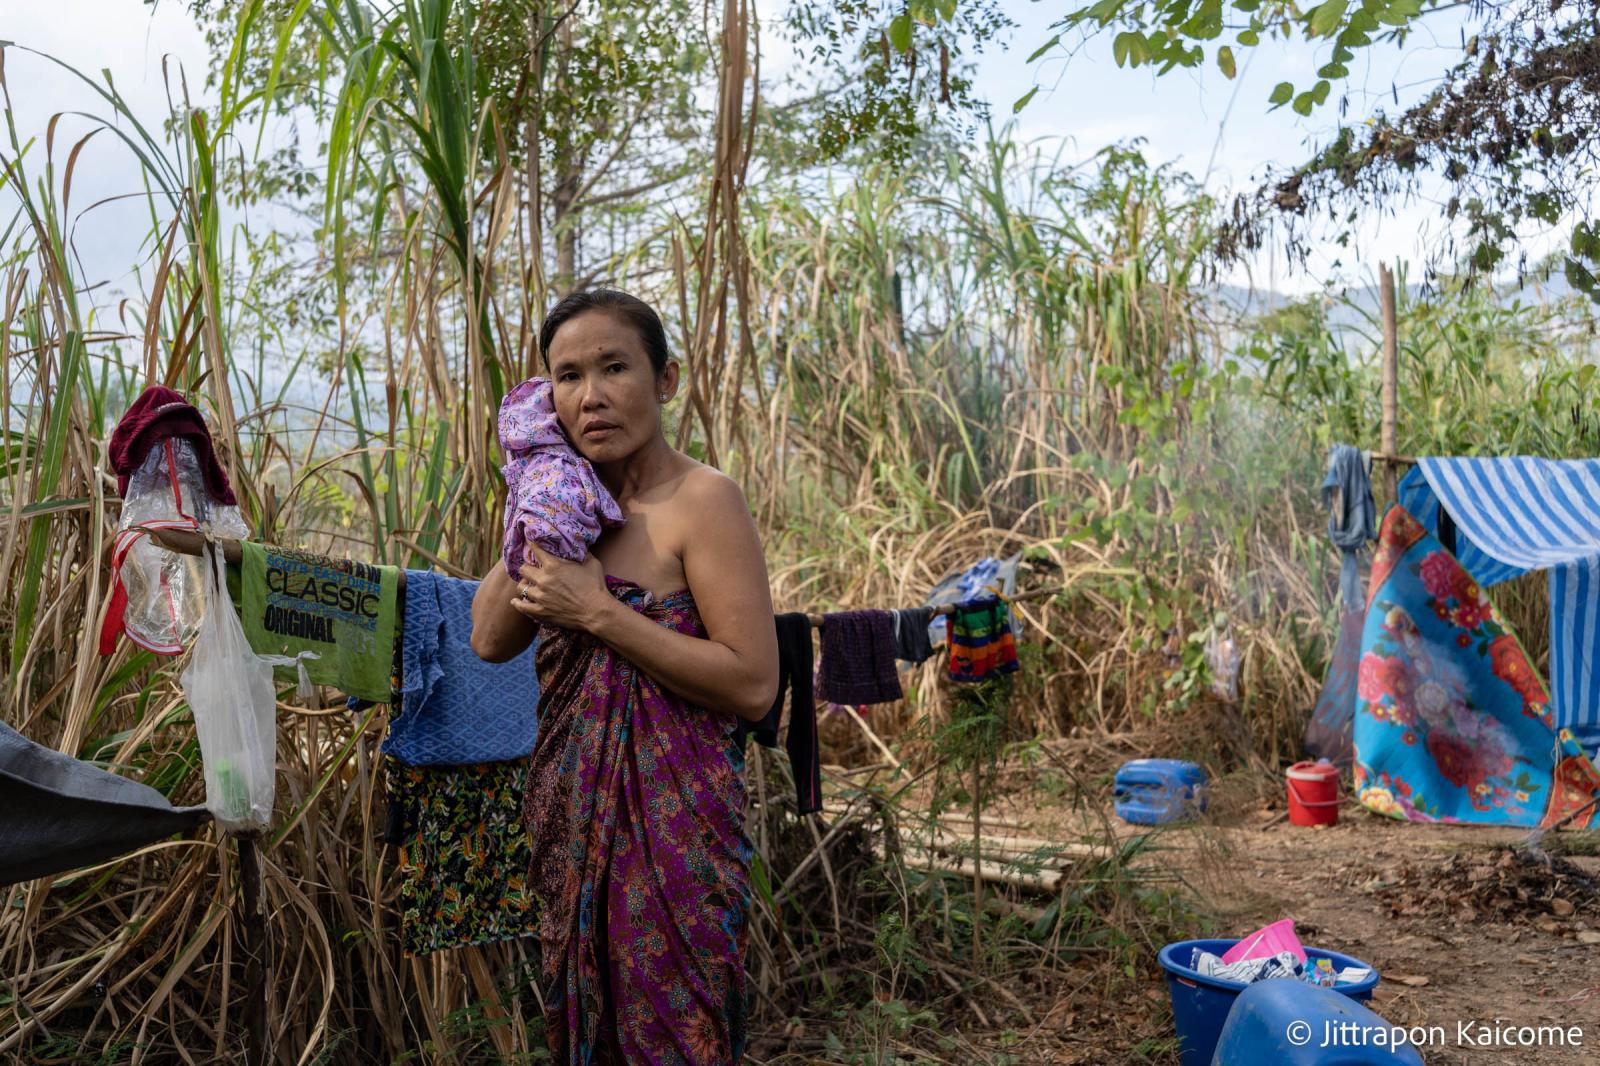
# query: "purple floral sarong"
{"points": [[635, 803]]}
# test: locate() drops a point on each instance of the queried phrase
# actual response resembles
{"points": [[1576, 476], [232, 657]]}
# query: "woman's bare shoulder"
{"points": [[703, 499], [694, 498], [722, 555], [704, 486]]}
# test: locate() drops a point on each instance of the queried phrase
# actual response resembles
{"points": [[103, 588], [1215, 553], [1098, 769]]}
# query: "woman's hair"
{"points": [[632, 310]]}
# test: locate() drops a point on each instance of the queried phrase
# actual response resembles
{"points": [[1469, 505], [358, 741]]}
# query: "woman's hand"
{"points": [[560, 592]]}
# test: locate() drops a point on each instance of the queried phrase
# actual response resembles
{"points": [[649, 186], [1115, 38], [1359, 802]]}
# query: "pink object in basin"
{"points": [[1268, 940]]}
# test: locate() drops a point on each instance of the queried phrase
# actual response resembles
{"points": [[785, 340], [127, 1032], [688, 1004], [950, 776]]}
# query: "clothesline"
{"points": [[187, 542], [817, 620], [192, 542]]}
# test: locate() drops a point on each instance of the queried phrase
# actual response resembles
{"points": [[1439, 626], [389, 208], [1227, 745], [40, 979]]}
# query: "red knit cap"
{"points": [[160, 413]]}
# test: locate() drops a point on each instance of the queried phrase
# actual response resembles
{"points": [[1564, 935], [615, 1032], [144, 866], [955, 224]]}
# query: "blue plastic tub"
{"points": [[1156, 791], [1291, 1023], [1200, 1005]]}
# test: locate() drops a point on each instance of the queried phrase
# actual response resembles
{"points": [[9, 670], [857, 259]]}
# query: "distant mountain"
{"points": [[1360, 301]]}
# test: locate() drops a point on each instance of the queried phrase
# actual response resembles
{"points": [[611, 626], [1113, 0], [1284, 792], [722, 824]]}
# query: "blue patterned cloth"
{"points": [[455, 708], [976, 582], [1452, 721], [1514, 515]]}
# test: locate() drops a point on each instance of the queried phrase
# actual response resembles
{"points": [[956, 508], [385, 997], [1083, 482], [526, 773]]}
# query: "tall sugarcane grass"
{"points": [[1015, 355]]}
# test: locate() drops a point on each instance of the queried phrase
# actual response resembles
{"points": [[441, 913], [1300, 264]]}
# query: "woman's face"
{"points": [[607, 394]]}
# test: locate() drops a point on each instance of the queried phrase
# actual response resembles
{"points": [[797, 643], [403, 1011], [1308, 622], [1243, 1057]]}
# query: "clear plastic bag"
{"points": [[230, 689], [1222, 661], [168, 491]]}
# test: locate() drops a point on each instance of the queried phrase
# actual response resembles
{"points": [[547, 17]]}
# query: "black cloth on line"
{"points": [[911, 643], [858, 658], [62, 813], [794, 676]]}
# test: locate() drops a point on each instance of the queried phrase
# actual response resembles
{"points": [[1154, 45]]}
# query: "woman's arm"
{"points": [[735, 667], [500, 632]]}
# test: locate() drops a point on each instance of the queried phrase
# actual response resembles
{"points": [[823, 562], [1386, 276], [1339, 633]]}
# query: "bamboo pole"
{"points": [[255, 953], [1043, 880], [818, 621], [192, 542], [1391, 376]]}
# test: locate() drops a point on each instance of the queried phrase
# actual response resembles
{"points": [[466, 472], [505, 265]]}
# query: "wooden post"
{"points": [[1391, 377], [255, 951], [977, 865]]}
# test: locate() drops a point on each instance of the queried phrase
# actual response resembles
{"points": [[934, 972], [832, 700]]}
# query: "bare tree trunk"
{"points": [[719, 264], [564, 193], [534, 278], [564, 222]]}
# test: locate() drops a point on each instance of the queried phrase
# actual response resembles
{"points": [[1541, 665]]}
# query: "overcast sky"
{"points": [[128, 39], [1214, 128]]}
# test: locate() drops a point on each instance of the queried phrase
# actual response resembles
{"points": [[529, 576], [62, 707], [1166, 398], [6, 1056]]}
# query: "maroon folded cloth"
{"points": [[858, 658], [160, 413]]}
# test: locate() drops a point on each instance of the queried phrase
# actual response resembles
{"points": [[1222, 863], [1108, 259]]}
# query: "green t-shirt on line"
{"points": [[293, 601]]}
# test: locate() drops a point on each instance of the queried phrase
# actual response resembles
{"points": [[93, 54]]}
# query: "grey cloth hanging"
{"points": [[911, 643], [1352, 516], [61, 813]]}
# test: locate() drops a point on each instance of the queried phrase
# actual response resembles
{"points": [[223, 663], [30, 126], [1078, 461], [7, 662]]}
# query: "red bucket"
{"points": [[1313, 793]]}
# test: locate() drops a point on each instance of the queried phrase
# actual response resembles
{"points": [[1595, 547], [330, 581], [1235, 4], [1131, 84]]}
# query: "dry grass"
{"points": [[1020, 358]]}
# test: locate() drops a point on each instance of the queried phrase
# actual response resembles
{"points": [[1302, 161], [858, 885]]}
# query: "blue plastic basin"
{"points": [[1291, 1023], [1200, 1004]]}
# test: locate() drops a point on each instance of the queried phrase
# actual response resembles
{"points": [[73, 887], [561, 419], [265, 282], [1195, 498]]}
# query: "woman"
{"points": [[650, 652]]}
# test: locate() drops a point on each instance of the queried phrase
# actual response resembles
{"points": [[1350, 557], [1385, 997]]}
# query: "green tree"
{"points": [[1169, 34], [887, 72], [1510, 129]]}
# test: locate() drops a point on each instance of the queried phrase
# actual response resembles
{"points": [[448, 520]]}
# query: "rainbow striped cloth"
{"points": [[981, 643]]}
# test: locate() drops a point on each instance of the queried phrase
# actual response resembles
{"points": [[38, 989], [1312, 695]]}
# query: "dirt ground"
{"points": [[1465, 925], [1437, 911]]}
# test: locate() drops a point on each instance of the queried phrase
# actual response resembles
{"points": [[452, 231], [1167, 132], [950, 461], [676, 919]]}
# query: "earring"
{"points": [[663, 397]]}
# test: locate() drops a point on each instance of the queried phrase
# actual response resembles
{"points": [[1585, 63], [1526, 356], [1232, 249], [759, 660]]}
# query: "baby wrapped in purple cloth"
{"points": [[555, 500]]}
